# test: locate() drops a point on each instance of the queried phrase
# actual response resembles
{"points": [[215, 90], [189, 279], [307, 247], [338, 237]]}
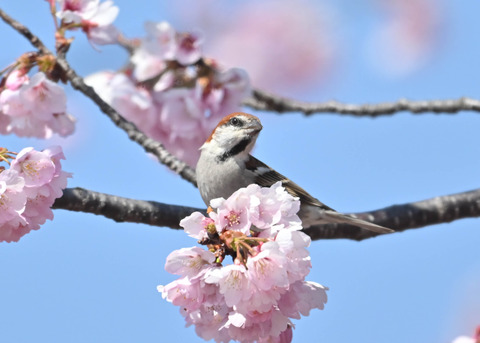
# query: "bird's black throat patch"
{"points": [[235, 150]]}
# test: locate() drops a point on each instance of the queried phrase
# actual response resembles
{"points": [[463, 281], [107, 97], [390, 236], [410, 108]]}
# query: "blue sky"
{"points": [[84, 278]]}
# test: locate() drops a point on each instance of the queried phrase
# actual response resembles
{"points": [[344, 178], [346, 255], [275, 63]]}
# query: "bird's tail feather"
{"points": [[339, 218]]}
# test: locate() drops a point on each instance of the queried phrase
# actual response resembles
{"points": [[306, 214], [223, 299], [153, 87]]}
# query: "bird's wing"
{"points": [[266, 177]]}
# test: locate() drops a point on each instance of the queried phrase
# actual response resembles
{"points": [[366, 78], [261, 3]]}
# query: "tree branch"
{"points": [[123, 209], [443, 209], [150, 145], [265, 101], [438, 210]]}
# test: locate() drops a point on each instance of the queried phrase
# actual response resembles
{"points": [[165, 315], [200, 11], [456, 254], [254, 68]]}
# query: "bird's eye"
{"points": [[236, 122]]}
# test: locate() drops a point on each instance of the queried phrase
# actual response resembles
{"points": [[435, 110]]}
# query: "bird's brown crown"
{"points": [[227, 118]]}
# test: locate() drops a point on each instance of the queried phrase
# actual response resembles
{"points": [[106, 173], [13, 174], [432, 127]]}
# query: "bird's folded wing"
{"points": [[266, 177]]}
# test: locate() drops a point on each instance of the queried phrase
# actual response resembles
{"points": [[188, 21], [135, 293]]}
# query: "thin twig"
{"points": [[443, 209], [150, 145], [265, 101]]}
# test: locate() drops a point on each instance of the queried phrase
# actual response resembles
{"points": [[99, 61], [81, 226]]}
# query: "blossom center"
{"points": [[30, 168], [72, 5], [233, 218]]}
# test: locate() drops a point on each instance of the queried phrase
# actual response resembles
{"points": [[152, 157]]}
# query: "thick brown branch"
{"points": [[265, 101], [123, 209], [442, 209], [133, 132], [403, 217]]}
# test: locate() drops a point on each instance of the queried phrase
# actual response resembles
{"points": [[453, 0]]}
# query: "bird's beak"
{"points": [[254, 127]]}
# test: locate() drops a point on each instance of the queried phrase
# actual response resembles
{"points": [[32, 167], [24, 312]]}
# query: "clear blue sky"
{"points": [[84, 278]]}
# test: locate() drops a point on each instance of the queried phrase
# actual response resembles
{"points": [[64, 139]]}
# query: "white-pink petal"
{"points": [[189, 261], [233, 283], [266, 269], [193, 225], [44, 96], [36, 167], [105, 14]]}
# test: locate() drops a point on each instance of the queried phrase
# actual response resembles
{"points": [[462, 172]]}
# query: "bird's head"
{"points": [[234, 135]]}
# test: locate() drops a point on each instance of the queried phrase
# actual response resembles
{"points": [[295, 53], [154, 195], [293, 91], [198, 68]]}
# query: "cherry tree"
{"points": [[246, 278]]}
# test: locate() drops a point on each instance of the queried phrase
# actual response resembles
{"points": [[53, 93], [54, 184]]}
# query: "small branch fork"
{"points": [[132, 131], [443, 209]]}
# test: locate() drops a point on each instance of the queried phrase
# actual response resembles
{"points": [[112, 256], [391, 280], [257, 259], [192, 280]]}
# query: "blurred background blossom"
{"points": [[285, 46], [406, 36]]}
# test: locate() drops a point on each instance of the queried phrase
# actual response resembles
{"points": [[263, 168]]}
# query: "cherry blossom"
{"points": [[28, 189], [163, 44], [33, 167], [171, 93], [34, 107], [253, 298], [196, 225], [266, 207], [188, 48], [93, 17], [15, 80], [12, 199], [189, 261]]}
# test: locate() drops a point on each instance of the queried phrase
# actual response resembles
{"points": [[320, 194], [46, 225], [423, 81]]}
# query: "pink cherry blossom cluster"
{"points": [[93, 17], [170, 92], [28, 189], [254, 298], [33, 107]]}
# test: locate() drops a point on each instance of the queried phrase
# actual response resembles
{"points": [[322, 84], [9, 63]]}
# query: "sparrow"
{"points": [[225, 165]]}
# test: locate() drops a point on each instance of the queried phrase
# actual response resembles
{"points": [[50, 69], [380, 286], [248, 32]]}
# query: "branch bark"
{"points": [[438, 210], [149, 145], [123, 209], [443, 209], [264, 101]]}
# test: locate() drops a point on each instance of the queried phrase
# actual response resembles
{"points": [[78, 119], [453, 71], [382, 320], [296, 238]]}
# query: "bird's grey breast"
{"points": [[218, 181]]}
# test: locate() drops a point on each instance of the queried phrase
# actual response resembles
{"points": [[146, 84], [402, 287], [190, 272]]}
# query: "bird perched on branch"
{"points": [[225, 165]]}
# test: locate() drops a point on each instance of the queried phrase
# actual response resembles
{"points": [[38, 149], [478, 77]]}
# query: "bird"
{"points": [[225, 165]]}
